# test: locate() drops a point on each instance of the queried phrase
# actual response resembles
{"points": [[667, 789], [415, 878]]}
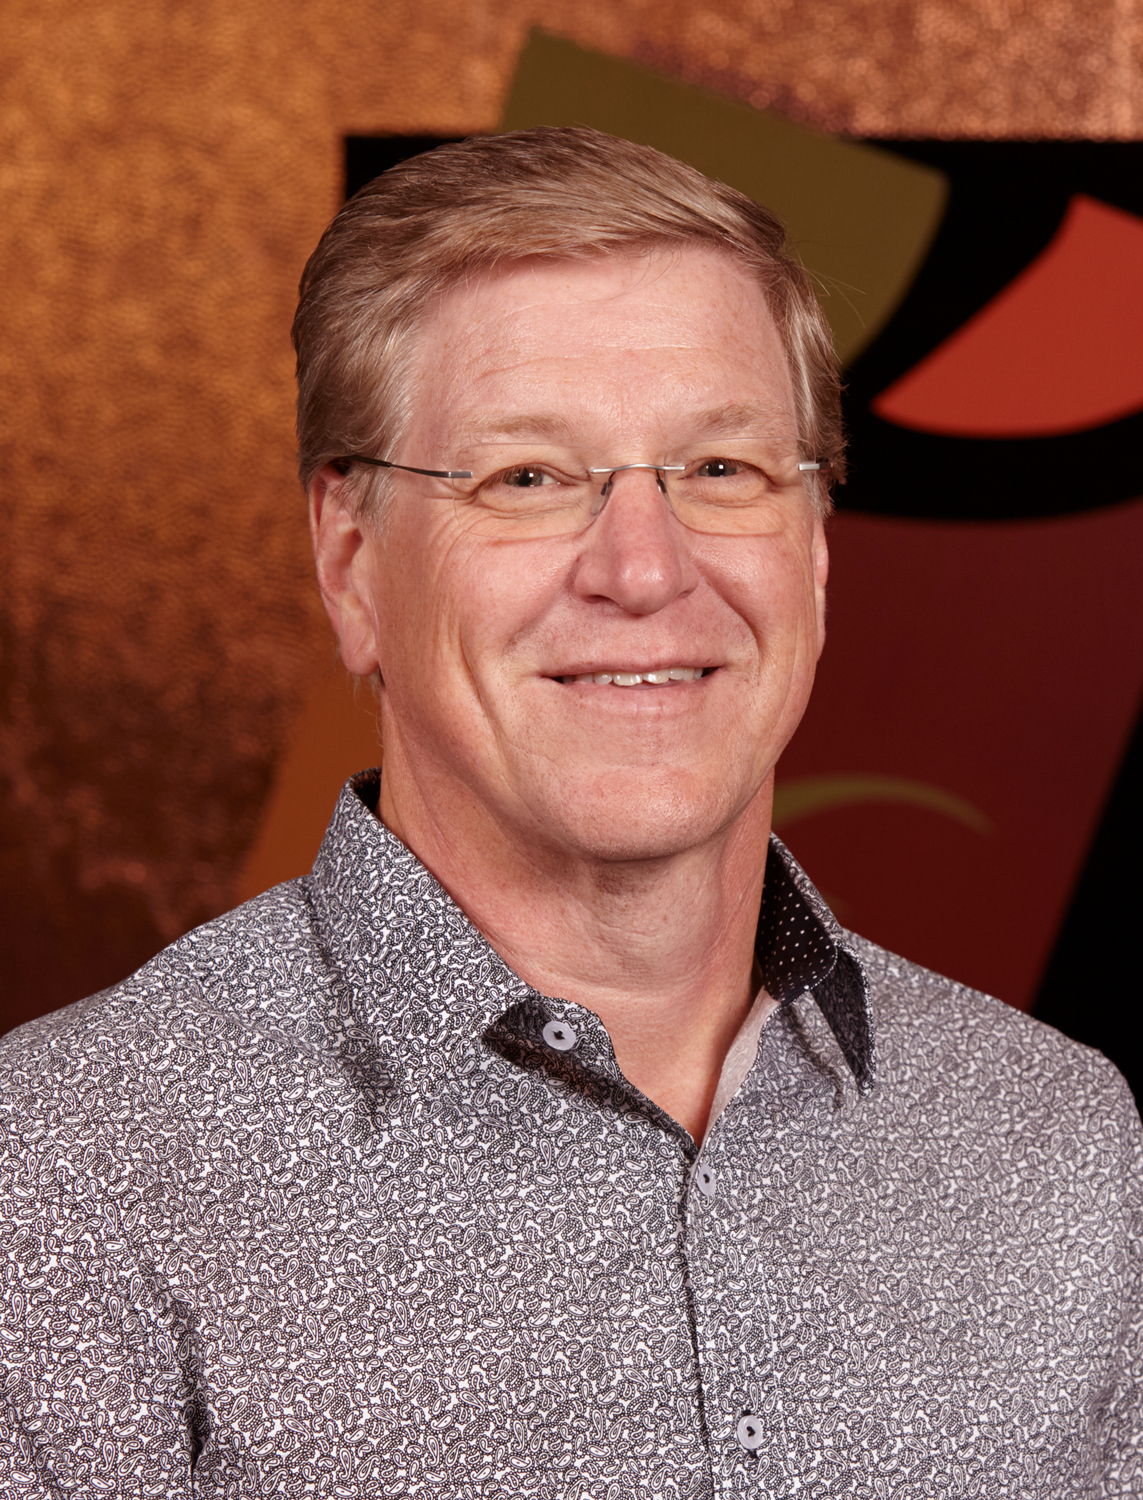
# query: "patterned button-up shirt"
{"points": [[326, 1201]]}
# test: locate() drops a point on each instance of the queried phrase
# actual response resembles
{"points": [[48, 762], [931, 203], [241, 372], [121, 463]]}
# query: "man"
{"points": [[535, 1144]]}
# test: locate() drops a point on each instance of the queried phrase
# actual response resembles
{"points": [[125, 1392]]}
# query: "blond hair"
{"points": [[466, 207]]}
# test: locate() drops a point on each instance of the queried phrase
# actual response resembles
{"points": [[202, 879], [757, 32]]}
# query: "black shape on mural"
{"points": [[1091, 989], [1007, 200], [367, 156]]}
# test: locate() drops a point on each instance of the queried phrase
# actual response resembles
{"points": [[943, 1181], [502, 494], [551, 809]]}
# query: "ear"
{"points": [[343, 552], [821, 574]]}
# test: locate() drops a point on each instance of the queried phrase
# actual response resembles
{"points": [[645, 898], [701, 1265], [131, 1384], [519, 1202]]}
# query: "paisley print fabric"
{"points": [[325, 1201]]}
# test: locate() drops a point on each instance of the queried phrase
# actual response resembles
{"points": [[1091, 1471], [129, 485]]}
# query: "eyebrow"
{"points": [[738, 419], [553, 426]]}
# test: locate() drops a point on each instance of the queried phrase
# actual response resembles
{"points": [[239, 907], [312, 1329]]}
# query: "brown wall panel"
{"points": [[164, 171]]}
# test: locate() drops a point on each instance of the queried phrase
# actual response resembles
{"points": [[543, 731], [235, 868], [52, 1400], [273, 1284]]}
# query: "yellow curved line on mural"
{"points": [[813, 794]]}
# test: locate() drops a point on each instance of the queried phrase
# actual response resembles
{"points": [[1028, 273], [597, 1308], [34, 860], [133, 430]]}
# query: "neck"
{"points": [[662, 949]]}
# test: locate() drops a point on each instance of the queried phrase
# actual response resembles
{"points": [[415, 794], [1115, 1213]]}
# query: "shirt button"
{"points": [[560, 1035], [707, 1179], [749, 1433]]}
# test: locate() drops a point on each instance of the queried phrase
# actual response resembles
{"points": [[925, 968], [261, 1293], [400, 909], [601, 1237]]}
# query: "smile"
{"points": [[656, 678]]}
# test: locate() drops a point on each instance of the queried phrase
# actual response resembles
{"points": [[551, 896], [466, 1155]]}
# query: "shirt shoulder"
{"points": [[965, 1050], [256, 970]]}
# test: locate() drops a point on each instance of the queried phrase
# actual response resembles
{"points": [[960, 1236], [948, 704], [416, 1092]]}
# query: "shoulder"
{"points": [[970, 1055], [142, 1044]]}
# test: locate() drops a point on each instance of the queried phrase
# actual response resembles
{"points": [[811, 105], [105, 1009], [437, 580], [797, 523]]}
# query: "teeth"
{"points": [[633, 679]]}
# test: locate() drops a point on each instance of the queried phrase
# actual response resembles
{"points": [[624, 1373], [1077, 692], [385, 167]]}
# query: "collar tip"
{"points": [[864, 1075]]}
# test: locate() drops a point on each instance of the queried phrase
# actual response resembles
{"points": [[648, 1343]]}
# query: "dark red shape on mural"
{"points": [[1002, 663]]}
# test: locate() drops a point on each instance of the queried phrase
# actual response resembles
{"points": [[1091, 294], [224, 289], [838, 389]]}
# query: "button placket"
{"points": [[729, 1299], [705, 1229]]}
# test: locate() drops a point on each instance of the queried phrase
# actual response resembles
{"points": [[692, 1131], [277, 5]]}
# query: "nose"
{"points": [[635, 553]]}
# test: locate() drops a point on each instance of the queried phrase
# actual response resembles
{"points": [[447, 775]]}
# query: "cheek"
{"points": [[450, 612], [411, 597], [769, 586]]}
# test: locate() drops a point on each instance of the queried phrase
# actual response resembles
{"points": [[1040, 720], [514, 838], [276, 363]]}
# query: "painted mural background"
{"points": [[173, 725]]}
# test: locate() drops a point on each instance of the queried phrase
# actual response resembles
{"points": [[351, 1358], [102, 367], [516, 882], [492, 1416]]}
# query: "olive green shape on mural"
{"points": [[861, 219], [805, 795]]}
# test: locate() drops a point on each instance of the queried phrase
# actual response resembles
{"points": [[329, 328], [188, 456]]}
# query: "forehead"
{"points": [[629, 343]]}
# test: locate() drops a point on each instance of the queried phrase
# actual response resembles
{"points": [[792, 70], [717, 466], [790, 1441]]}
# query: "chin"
{"points": [[617, 818]]}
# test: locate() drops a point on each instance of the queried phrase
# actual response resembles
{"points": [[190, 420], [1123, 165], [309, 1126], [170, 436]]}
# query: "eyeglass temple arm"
{"points": [[384, 463]]}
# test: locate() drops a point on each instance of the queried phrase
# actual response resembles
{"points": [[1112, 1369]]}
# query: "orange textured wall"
{"points": [[164, 171]]}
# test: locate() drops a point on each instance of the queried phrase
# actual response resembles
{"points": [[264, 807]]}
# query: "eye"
{"points": [[719, 468], [526, 477]]}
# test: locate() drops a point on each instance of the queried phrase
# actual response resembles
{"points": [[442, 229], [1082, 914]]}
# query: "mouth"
{"points": [[624, 677]]}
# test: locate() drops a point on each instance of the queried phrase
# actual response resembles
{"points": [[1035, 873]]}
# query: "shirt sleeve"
{"points": [[95, 1396], [1124, 1448]]}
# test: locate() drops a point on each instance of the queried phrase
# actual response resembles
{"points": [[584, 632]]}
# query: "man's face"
{"points": [[478, 638]]}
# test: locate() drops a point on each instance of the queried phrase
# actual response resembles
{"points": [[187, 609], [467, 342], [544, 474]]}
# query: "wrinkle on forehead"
{"points": [[574, 274], [670, 340], [732, 419], [580, 287]]}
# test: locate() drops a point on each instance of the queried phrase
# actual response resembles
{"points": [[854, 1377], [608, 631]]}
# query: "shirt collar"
{"points": [[372, 895], [800, 947]]}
